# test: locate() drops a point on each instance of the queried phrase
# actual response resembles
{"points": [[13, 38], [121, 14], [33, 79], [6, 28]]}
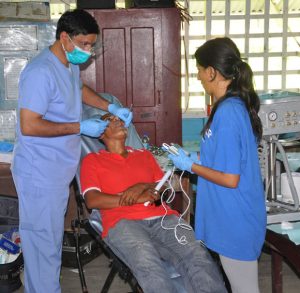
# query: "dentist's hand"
{"points": [[182, 161], [93, 127], [123, 113]]}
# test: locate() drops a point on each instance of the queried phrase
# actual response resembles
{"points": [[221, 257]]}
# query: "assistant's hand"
{"points": [[123, 113], [93, 127], [195, 157], [182, 161]]}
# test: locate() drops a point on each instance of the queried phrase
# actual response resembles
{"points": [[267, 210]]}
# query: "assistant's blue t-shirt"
{"points": [[53, 90], [231, 221]]}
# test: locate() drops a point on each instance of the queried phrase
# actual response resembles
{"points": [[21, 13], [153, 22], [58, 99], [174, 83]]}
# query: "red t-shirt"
{"points": [[112, 174]]}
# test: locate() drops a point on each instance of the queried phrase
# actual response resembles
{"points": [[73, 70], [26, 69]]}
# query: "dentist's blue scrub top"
{"points": [[231, 221], [51, 89]]}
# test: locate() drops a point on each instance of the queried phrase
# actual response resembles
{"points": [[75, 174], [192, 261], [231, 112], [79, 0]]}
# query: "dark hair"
{"points": [[223, 55], [75, 22]]}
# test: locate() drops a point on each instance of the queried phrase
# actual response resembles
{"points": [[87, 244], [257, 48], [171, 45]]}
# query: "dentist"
{"points": [[47, 149]]}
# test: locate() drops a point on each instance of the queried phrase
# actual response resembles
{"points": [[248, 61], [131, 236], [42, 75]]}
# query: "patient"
{"points": [[118, 181]]}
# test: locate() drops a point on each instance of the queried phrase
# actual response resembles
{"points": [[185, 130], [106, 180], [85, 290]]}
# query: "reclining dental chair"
{"points": [[91, 224], [90, 221]]}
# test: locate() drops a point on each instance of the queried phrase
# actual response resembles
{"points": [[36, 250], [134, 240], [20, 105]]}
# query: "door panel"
{"points": [[143, 67], [111, 70], [130, 66]]}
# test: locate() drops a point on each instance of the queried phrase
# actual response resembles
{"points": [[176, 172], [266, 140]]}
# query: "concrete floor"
{"points": [[97, 270]]}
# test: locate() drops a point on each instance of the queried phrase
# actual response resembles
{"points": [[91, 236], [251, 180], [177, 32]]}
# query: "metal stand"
{"points": [[279, 211]]}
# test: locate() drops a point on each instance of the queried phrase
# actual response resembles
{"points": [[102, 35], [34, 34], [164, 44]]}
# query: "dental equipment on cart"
{"points": [[280, 115]]}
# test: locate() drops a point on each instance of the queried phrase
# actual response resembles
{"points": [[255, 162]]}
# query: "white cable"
{"points": [[182, 240]]}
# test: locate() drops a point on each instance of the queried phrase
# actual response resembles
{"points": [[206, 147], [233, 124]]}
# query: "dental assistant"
{"points": [[47, 149], [230, 209]]}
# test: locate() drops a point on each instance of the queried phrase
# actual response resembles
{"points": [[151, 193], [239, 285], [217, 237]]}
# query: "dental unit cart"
{"points": [[280, 116]]}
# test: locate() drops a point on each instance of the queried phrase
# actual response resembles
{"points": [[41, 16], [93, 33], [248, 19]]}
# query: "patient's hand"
{"points": [[135, 189], [138, 193], [149, 195], [131, 194]]}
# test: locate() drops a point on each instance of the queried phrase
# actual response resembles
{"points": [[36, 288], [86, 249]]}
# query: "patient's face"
{"points": [[115, 127]]}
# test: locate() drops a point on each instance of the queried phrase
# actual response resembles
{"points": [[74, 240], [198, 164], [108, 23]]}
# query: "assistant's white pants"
{"points": [[242, 275]]}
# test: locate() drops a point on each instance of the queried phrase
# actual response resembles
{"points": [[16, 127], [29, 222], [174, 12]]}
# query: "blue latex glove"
{"points": [[6, 147], [182, 161], [123, 113], [194, 157], [93, 127]]}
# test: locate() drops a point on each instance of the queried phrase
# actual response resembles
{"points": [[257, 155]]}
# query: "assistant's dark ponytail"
{"points": [[242, 86], [223, 55]]}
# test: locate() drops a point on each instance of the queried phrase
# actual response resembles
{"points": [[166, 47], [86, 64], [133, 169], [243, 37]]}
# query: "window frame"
{"points": [[253, 10]]}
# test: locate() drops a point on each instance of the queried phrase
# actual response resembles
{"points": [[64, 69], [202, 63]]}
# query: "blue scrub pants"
{"points": [[41, 213]]}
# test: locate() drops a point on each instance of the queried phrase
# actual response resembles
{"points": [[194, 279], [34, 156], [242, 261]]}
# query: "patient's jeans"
{"points": [[144, 244]]}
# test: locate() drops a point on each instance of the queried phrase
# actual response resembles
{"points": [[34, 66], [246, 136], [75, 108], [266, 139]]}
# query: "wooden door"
{"points": [[130, 66]]}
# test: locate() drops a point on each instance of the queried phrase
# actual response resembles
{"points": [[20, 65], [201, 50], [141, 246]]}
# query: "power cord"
{"points": [[183, 239]]}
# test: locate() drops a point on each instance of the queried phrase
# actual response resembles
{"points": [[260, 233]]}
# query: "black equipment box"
{"points": [[9, 218], [10, 275], [9, 213], [150, 3], [96, 4], [89, 249]]}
